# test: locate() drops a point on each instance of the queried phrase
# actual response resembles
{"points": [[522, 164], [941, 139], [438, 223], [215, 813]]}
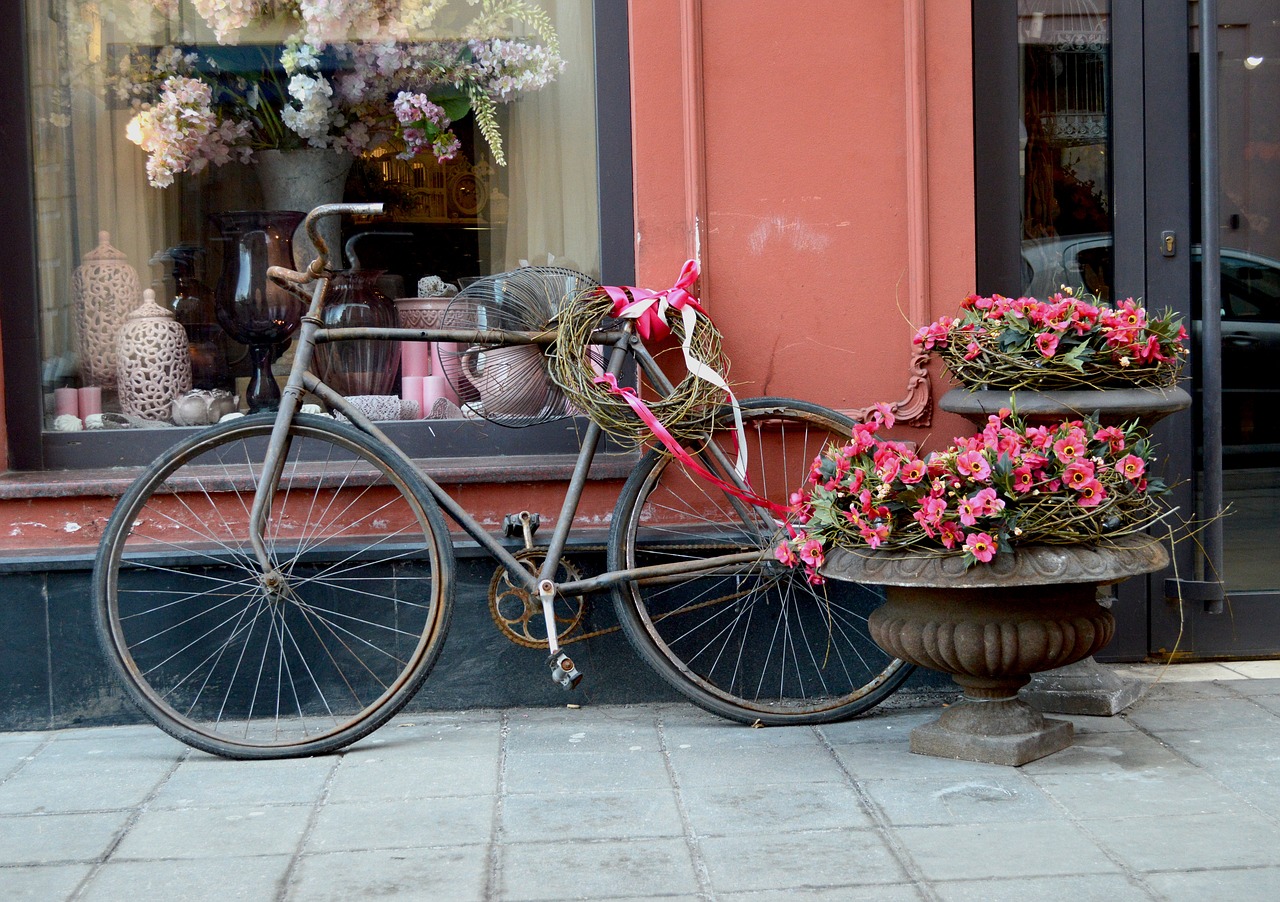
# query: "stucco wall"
{"points": [[817, 156]]}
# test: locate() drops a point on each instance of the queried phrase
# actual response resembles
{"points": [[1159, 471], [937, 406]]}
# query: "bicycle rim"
{"points": [[758, 642], [230, 666]]}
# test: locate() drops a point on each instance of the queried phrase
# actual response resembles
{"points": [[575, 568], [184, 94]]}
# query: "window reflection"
{"points": [[1065, 125]]}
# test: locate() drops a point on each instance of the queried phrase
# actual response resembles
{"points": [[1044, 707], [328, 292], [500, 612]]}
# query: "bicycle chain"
{"points": [[569, 640]]}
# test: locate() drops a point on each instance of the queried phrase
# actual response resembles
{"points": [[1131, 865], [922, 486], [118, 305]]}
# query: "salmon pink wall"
{"points": [[816, 156]]}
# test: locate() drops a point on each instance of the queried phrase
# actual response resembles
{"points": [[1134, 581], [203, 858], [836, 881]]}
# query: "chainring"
{"points": [[518, 614]]}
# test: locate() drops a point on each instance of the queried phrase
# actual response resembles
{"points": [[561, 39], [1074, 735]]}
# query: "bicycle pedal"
{"points": [[513, 525], [563, 670]]}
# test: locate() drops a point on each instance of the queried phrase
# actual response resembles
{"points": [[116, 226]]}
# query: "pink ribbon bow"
{"points": [[649, 308]]}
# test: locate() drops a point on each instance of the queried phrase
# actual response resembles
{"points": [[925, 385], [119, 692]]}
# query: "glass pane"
{"points": [[1066, 209], [163, 129], [1249, 236]]}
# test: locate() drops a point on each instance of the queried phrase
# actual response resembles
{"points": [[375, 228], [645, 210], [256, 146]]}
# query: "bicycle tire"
{"points": [[227, 666], [756, 645]]}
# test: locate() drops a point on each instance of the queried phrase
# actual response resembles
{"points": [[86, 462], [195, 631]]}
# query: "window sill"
{"points": [[113, 481]]}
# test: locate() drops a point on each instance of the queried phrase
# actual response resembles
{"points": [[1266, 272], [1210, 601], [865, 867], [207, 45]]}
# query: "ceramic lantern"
{"points": [[153, 367], [104, 288]]}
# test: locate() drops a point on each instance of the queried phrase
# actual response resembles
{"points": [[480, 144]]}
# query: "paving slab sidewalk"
{"points": [[1178, 798]]}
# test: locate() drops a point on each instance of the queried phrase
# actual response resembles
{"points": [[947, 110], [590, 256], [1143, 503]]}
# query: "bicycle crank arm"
{"points": [[563, 670]]}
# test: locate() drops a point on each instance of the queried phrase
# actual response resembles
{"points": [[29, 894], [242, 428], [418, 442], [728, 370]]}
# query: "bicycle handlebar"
{"points": [[290, 278]]}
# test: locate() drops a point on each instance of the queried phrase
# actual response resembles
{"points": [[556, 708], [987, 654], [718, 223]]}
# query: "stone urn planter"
{"points": [[991, 626], [1085, 687]]}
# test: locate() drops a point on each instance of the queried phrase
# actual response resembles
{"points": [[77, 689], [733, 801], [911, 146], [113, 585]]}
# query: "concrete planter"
{"points": [[991, 627]]}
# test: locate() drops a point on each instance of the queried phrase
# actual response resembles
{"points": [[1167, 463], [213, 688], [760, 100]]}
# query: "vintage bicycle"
{"points": [[281, 584]]}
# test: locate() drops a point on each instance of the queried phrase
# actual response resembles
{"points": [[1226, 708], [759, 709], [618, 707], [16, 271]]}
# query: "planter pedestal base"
{"points": [[1085, 687], [991, 627], [993, 731]]}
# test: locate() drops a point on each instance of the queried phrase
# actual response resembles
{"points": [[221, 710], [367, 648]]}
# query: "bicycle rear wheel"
{"points": [[231, 665], [757, 642]]}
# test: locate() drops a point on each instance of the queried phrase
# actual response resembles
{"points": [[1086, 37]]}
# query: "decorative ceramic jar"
{"points": [[153, 366], [361, 366], [991, 626], [104, 288]]}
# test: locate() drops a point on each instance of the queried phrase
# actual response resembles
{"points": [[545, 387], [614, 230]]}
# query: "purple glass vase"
{"points": [[359, 367], [250, 307]]}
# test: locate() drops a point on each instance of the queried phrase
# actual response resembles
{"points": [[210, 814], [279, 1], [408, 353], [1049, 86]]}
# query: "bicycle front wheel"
{"points": [[309, 660], [756, 642]]}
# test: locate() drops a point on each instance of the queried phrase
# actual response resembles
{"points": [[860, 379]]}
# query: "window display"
{"points": [[176, 142]]}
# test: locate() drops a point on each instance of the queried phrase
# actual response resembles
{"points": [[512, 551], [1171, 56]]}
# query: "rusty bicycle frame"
{"points": [[623, 343]]}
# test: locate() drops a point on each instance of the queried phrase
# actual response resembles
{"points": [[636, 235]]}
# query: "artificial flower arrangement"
{"points": [[1065, 342], [1011, 484], [354, 75]]}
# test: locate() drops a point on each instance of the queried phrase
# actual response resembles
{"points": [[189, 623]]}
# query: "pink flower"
{"points": [[786, 554], [1112, 435], [1071, 446], [972, 351], [1091, 493], [950, 534], [1023, 479], [1132, 467], [1078, 472], [974, 465], [980, 545], [1047, 344], [811, 553], [913, 471]]}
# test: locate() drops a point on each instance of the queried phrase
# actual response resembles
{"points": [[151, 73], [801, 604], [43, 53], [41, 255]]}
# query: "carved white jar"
{"points": [[104, 288], [154, 367]]}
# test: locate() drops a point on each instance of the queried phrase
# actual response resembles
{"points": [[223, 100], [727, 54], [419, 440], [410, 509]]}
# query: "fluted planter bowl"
{"points": [[991, 626]]}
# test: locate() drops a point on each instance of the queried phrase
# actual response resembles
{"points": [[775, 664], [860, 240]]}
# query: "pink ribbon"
{"points": [[649, 308]]}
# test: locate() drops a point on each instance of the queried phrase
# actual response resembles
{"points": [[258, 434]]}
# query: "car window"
{"points": [[1250, 290]]}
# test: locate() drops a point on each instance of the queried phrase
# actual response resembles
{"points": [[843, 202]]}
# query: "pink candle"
{"points": [[415, 358], [411, 389], [90, 400], [66, 402], [434, 388]]}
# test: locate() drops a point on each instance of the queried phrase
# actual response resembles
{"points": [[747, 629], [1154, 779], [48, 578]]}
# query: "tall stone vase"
{"points": [[303, 180], [1084, 687]]}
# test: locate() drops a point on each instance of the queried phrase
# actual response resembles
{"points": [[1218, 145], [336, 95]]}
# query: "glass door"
{"points": [[1248, 96]]}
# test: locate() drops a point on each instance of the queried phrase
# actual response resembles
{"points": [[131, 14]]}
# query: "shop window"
{"points": [[162, 130]]}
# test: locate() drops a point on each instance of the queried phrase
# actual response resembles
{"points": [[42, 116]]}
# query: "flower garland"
{"points": [[1011, 484]]}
